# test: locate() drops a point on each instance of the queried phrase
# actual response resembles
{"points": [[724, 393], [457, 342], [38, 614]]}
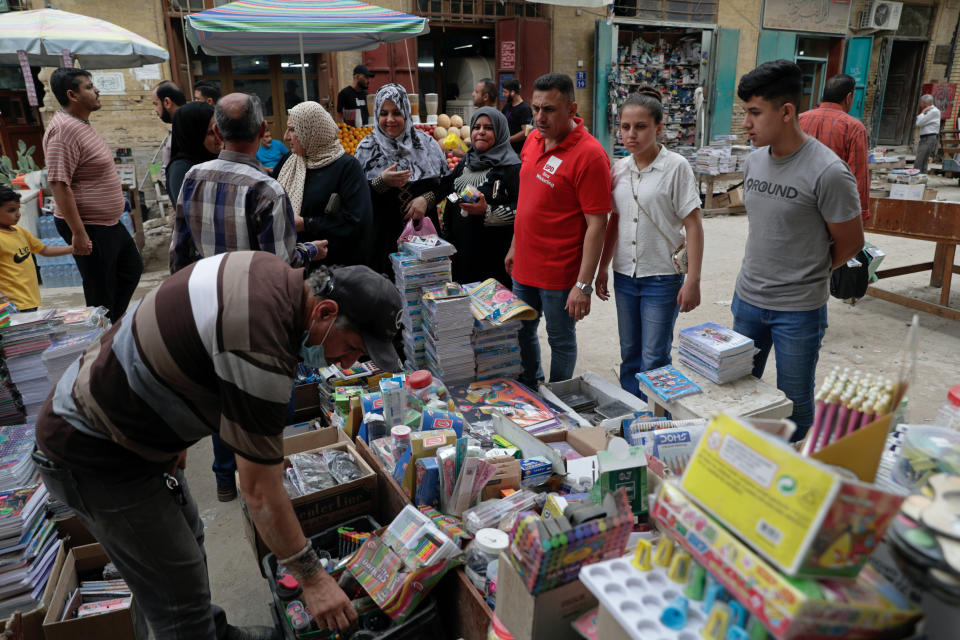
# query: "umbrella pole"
{"points": [[303, 69]]}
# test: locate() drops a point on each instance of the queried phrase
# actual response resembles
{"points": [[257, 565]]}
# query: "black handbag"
{"points": [[851, 282]]}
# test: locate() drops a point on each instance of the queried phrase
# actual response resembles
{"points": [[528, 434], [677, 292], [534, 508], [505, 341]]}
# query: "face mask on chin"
{"points": [[313, 355]]}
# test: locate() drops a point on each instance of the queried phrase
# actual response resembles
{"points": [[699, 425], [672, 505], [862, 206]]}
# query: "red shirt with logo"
{"points": [[557, 187]]}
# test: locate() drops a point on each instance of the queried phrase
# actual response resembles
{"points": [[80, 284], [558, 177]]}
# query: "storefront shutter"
{"points": [[728, 44]]}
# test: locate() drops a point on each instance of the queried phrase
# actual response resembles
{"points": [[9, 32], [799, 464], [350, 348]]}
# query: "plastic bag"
{"points": [[311, 473], [423, 228], [341, 465]]}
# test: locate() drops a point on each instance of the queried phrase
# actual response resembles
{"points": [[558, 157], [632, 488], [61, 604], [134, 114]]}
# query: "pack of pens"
{"points": [[548, 553], [399, 568]]}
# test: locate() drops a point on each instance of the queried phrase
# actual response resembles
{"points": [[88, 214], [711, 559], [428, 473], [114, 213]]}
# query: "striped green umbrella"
{"points": [[249, 27]]}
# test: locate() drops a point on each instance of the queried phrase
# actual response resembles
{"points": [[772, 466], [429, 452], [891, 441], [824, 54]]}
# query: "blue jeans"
{"points": [[224, 463], [561, 335], [646, 314], [796, 336]]}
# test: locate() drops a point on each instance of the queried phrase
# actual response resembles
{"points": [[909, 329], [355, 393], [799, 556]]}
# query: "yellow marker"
{"points": [[716, 626], [679, 567], [664, 552], [641, 557]]}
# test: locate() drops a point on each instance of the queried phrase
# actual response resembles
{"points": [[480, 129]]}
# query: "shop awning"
{"points": [[249, 27]]}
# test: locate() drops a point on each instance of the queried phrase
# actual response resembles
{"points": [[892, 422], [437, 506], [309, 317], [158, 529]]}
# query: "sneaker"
{"points": [[226, 494], [252, 633]]}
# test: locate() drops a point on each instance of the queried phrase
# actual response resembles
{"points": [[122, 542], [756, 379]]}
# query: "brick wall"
{"points": [[572, 40], [126, 120]]}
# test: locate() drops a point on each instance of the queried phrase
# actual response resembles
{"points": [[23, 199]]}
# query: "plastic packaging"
{"points": [[401, 440], [490, 589], [484, 549], [425, 388], [341, 464], [949, 413], [497, 631], [488, 514], [310, 473], [926, 450]]}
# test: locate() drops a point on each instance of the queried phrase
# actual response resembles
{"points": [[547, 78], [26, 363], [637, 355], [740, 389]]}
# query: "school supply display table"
{"points": [[747, 397], [709, 207], [937, 222]]}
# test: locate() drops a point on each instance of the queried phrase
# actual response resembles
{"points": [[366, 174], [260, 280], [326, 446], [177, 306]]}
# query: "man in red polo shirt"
{"points": [[558, 232], [831, 124]]}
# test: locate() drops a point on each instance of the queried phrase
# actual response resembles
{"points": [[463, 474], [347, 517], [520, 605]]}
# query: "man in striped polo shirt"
{"points": [[212, 350], [88, 197]]}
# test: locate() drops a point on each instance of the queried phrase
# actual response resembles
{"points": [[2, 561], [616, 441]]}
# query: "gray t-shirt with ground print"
{"points": [[786, 264]]}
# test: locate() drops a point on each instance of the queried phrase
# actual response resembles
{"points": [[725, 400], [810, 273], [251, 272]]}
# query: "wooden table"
{"points": [[747, 397], [937, 222]]}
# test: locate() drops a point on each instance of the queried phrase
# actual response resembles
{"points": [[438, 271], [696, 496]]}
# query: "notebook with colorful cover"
{"points": [[716, 339], [668, 383]]}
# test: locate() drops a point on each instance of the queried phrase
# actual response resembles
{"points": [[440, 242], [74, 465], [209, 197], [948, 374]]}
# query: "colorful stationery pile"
{"points": [[845, 403]]}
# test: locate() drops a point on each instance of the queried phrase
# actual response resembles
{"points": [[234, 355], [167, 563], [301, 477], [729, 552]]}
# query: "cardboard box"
{"points": [[545, 615], [507, 477], [116, 625], [623, 465], [323, 509], [784, 605], [736, 197], [804, 517], [597, 387]]}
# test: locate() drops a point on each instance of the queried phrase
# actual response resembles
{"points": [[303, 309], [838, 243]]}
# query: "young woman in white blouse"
{"points": [[656, 211]]}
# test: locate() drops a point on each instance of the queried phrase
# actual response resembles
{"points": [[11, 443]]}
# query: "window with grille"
{"points": [[477, 11], [702, 11]]}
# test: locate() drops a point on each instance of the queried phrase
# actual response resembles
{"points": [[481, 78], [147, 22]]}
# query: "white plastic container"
{"points": [[949, 413]]}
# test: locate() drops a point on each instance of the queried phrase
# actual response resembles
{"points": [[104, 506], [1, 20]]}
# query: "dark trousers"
{"points": [[156, 544], [224, 463], [112, 270]]}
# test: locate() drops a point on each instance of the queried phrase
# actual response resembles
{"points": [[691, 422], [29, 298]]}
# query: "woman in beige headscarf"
{"points": [[326, 187]]}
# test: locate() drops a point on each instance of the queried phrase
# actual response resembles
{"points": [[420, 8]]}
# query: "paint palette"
{"points": [[637, 599]]}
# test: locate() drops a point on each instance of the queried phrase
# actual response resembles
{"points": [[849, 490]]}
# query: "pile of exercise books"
{"points": [[668, 383], [448, 327], [22, 343], [412, 275], [82, 319], [496, 349], [11, 404], [63, 351], [28, 547], [716, 352], [93, 597], [428, 247]]}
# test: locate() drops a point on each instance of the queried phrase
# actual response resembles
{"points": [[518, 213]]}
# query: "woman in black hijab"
{"points": [[193, 142]]}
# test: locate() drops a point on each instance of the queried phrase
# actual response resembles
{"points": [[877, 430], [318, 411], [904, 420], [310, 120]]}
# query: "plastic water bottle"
{"points": [[949, 413]]}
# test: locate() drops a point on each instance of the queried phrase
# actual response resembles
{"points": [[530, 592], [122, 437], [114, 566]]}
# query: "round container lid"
{"points": [[954, 395], [288, 582], [419, 379], [400, 432], [492, 541]]}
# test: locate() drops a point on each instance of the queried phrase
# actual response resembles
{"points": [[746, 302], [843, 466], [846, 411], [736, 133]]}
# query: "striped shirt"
{"points": [[211, 350], [76, 155], [847, 137], [230, 204]]}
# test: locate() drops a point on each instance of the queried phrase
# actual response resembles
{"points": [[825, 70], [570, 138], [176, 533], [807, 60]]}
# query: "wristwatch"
{"points": [[585, 287]]}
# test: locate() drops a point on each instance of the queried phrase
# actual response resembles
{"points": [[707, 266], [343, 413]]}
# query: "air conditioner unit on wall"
{"points": [[881, 15]]}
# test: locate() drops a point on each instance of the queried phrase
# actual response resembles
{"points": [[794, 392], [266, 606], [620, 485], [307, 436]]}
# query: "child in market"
{"points": [[18, 275]]}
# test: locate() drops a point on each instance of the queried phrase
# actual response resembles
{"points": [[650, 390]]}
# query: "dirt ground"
{"points": [[867, 336]]}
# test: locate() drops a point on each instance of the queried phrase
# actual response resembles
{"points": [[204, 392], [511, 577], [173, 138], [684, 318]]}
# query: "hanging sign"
{"points": [[28, 78], [581, 79], [508, 54], [67, 58]]}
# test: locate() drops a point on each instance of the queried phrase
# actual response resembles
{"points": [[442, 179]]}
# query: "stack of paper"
{"points": [[496, 349], [412, 276], [17, 468], [23, 341], [82, 319], [428, 247], [448, 327], [716, 352], [11, 404], [28, 547], [63, 351]]}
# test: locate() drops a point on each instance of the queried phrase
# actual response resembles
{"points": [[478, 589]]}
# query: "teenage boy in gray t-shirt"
{"points": [[803, 213]]}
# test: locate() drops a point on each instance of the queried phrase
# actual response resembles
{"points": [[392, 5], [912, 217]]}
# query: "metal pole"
{"points": [[303, 69]]}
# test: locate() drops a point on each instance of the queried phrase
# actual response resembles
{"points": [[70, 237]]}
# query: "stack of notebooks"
{"points": [[28, 547], [82, 319], [22, 343], [496, 349], [63, 351], [716, 352], [448, 327], [94, 597], [12, 410], [668, 383], [428, 247], [412, 276]]}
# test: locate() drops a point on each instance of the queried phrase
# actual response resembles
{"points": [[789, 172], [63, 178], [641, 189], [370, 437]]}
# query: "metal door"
{"points": [[857, 65], [604, 56], [724, 84], [901, 92]]}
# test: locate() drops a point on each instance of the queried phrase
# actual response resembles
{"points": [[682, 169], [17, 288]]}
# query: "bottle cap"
{"points": [[491, 541], [288, 582], [400, 432], [419, 379], [954, 395]]}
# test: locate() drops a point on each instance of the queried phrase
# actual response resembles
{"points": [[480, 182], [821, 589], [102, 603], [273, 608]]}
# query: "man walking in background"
{"points": [[831, 124], [560, 226], [167, 98], [88, 196], [517, 112], [928, 125], [354, 96], [485, 94], [207, 91], [229, 204]]}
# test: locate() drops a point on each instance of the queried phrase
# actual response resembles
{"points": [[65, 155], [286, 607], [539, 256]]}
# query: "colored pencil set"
{"points": [[846, 402]]}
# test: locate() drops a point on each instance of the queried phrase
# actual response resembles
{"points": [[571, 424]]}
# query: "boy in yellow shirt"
{"points": [[18, 275]]}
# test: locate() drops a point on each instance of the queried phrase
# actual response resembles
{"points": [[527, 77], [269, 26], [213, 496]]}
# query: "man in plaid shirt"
{"points": [[845, 135]]}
